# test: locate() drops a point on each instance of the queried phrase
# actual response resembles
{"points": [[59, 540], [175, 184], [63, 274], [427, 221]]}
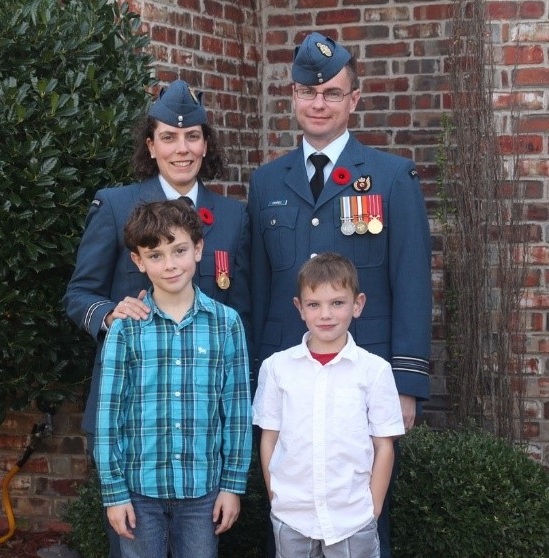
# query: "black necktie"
{"points": [[317, 181], [187, 200]]}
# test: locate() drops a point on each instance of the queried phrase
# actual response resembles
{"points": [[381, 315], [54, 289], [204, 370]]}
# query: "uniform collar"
{"points": [[172, 194]]}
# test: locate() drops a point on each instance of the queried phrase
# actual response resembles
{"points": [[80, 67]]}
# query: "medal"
{"points": [[222, 269], [348, 228], [223, 281], [375, 224], [347, 225], [361, 227]]}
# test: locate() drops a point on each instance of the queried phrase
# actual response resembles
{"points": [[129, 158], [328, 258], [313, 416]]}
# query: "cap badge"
{"points": [[324, 49]]}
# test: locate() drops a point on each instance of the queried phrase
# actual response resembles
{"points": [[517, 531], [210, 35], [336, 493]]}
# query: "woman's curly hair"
{"points": [[144, 166]]}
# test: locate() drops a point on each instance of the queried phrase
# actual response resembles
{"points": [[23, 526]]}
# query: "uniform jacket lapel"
{"points": [[205, 199], [151, 190], [353, 159], [296, 177]]}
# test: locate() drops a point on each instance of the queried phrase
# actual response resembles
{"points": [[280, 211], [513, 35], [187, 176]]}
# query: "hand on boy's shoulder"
{"points": [[129, 307]]}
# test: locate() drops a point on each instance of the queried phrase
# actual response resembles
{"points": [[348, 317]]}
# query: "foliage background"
{"points": [[73, 80], [468, 493]]}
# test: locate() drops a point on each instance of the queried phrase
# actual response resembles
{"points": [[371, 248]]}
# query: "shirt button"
{"points": [[315, 221], [177, 333], [177, 393], [177, 361], [178, 425], [313, 255], [177, 456]]}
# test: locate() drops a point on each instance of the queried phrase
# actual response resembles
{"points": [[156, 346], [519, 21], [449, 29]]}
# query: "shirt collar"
{"points": [[201, 303], [332, 150], [172, 194], [349, 350]]}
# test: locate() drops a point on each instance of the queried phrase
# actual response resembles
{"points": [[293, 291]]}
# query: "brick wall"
{"points": [[402, 49], [40, 490], [238, 52], [521, 102]]}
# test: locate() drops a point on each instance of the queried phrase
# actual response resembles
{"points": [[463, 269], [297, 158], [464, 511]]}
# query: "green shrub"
{"points": [[468, 494], [85, 516], [73, 79]]}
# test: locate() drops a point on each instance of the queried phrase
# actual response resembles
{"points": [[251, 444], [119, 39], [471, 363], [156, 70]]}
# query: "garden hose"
{"points": [[38, 432]]}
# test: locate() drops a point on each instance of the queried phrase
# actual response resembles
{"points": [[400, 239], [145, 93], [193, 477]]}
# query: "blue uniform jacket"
{"points": [[393, 266], [104, 273]]}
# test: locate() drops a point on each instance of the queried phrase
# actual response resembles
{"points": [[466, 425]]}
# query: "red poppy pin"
{"points": [[206, 215], [341, 176]]}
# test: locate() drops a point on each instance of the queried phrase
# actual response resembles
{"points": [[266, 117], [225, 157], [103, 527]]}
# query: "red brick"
{"points": [[339, 16], [383, 85], [531, 77], [534, 167], [417, 31], [191, 5], [213, 9], [403, 102], [374, 138], [212, 45], [530, 429], [529, 100], [365, 32], [523, 144], [398, 120], [532, 10], [234, 12], [388, 50], [372, 15], [316, 4], [290, 20], [534, 123], [502, 10], [522, 55]]}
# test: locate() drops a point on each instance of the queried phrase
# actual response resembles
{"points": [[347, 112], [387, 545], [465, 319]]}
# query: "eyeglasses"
{"points": [[330, 95]]}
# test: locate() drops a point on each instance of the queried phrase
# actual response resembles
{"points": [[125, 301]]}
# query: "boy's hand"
{"points": [[122, 519], [225, 512]]}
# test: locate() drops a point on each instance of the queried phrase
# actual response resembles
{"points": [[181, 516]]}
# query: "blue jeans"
{"points": [[183, 526]]}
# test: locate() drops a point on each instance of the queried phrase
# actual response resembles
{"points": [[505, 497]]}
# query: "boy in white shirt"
{"points": [[329, 412]]}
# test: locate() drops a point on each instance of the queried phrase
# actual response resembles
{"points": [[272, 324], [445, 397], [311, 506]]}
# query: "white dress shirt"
{"points": [[332, 151], [325, 415]]}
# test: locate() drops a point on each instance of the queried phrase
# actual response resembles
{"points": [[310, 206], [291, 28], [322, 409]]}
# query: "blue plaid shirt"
{"points": [[174, 413]]}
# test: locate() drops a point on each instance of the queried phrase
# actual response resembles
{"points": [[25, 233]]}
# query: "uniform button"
{"points": [[315, 221]]}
